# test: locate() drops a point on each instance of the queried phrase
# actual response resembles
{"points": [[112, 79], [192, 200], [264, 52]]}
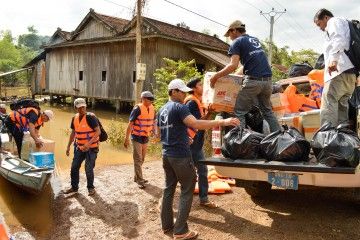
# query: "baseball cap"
{"points": [[49, 114], [2, 105], [234, 25], [147, 94], [178, 84], [79, 102]]}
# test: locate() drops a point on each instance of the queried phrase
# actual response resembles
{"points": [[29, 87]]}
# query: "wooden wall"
{"points": [[118, 60], [94, 29]]}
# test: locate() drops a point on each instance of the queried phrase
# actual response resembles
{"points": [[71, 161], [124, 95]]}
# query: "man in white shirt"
{"points": [[339, 77]]}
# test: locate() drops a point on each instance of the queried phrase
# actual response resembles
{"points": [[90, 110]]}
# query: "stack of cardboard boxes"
{"points": [[223, 96]]}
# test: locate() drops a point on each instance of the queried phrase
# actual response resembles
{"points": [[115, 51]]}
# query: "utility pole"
{"points": [[139, 81], [272, 14]]}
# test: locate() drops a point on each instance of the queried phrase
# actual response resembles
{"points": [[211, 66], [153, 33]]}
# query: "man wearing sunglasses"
{"points": [[257, 84], [141, 126]]}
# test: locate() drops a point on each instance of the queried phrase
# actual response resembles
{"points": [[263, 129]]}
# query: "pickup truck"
{"points": [[259, 176]]}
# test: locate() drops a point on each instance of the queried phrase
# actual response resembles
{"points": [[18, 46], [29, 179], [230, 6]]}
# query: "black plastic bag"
{"points": [[285, 146], [320, 62], [336, 147], [254, 119], [354, 105], [299, 69], [241, 143]]}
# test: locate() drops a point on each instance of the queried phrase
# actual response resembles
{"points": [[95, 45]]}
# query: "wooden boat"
{"points": [[23, 174]]}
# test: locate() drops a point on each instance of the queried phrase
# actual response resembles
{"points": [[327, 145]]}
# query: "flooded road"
{"points": [[35, 212]]}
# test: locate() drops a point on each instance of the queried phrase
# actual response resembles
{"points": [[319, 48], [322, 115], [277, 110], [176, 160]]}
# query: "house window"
{"points": [[103, 76], [81, 75]]}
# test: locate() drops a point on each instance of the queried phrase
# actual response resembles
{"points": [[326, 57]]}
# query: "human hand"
{"points": [[126, 143], [38, 143], [67, 151], [231, 122], [191, 141], [332, 67]]}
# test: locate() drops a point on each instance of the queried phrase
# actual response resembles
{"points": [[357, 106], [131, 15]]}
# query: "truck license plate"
{"points": [[284, 180]]}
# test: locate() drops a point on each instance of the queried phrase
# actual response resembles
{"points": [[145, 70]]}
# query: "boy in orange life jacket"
{"points": [[141, 126], [85, 132], [193, 101], [27, 119]]}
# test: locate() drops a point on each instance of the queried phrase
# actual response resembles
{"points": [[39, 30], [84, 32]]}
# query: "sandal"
{"points": [[188, 235], [209, 204]]}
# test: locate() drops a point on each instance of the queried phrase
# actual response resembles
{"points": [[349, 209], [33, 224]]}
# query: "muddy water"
{"points": [[35, 212]]}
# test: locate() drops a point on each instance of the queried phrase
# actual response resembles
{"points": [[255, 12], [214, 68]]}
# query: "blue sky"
{"points": [[295, 28]]}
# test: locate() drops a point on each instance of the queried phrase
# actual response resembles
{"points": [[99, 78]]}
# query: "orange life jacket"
{"points": [[21, 121], [144, 123], [83, 132], [317, 85], [192, 131], [298, 102]]}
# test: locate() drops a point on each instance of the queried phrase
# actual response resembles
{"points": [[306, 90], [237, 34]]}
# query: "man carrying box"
{"points": [[257, 84]]}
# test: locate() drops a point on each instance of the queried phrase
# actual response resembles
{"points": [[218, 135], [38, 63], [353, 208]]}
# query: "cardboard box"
{"points": [[311, 123], [223, 96], [42, 159], [279, 104], [294, 120], [28, 146]]}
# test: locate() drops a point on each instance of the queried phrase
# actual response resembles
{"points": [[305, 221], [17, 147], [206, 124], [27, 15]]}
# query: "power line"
{"points": [[252, 5], [198, 14], [119, 4], [317, 45]]}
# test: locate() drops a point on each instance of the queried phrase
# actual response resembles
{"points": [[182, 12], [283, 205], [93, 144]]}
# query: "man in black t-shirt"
{"points": [[85, 132]]}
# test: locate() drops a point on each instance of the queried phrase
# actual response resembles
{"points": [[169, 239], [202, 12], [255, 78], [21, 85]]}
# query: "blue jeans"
{"points": [[180, 170], [202, 172], [79, 156]]}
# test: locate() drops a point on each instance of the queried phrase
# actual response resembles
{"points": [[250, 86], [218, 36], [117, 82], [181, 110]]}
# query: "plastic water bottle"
{"points": [[216, 138]]}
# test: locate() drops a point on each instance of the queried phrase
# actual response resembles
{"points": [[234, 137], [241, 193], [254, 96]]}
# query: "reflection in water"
{"points": [[35, 212]]}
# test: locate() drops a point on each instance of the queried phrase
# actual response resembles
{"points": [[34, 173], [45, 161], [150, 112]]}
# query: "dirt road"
{"points": [[120, 210]]}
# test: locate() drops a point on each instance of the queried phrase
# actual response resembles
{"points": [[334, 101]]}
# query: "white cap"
{"points": [[79, 102], [49, 114], [2, 105], [178, 84]]}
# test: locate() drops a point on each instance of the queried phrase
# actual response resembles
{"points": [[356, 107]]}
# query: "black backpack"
{"points": [[354, 50], [103, 134], [24, 103]]}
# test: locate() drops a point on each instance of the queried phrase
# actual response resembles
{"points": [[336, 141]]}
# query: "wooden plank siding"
{"points": [[118, 60], [94, 29]]}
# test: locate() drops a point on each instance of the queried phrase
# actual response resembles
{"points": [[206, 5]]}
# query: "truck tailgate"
{"points": [[308, 173], [280, 166]]}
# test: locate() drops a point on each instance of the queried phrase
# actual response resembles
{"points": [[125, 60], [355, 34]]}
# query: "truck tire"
{"points": [[256, 188]]}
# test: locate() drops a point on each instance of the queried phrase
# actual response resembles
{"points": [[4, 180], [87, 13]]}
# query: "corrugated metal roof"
{"points": [[217, 57]]}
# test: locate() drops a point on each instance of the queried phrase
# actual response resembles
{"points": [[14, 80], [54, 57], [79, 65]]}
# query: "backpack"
{"points": [[354, 50], [103, 134], [24, 103]]}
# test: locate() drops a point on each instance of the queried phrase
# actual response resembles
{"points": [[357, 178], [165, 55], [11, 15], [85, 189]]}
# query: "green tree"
{"points": [[32, 40], [10, 57], [184, 70]]}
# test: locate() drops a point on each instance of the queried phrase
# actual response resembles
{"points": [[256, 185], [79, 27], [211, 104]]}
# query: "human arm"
{"points": [[35, 135], [127, 135], [191, 121], [231, 67], [339, 42], [71, 140]]}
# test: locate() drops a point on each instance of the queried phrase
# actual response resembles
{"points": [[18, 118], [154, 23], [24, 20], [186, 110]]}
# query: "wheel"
{"points": [[254, 188]]}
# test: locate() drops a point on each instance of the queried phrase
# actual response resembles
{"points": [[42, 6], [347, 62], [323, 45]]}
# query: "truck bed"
{"points": [[310, 166]]}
